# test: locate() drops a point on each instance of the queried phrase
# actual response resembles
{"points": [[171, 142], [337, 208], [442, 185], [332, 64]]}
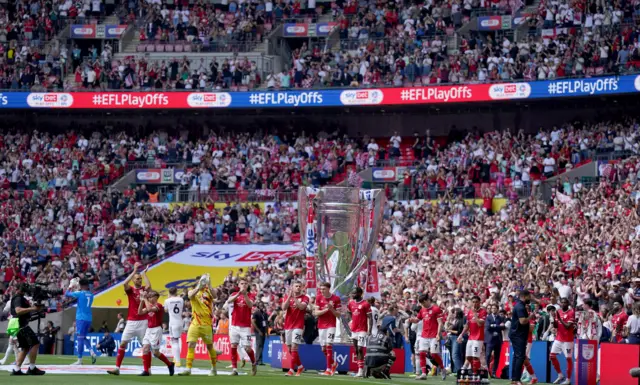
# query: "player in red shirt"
{"points": [[240, 304], [326, 310], [432, 318], [136, 323], [361, 325], [564, 323], [618, 321], [476, 317], [154, 312], [295, 306]]}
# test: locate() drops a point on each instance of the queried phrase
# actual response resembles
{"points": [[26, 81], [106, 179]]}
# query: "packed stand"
{"points": [[33, 59], [499, 164], [409, 56], [136, 73], [228, 27]]}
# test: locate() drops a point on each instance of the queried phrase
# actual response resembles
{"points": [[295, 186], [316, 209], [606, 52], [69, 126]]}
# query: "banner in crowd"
{"points": [[159, 175], [439, 94], [97, 31], [308, 29], [181, 269], [390, 174], [494, 23]]}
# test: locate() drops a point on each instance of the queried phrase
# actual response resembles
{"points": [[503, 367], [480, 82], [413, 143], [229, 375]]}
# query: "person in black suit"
{"points": [[493, 328]]}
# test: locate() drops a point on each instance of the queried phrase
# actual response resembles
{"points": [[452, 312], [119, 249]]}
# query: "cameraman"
{"points": [[27, 338]]}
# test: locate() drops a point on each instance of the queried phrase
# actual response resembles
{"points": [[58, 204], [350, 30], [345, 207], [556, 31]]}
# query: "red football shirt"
{"points": [[430, 317], [294, 317], [476, 331], [155, 318], [133, 295], [565, 334], [532, 322], [618, 321], [241, 315], [359, 315], [327, 320]]}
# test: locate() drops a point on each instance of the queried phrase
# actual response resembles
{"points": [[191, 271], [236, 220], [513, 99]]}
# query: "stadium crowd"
{"points": [[510, 164], [581, 246]]}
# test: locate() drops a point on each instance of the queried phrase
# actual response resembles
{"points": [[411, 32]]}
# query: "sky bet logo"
{"points": [[215, 255]]}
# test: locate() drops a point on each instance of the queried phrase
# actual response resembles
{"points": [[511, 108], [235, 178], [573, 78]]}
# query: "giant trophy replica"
{"points": [[339, 227]]}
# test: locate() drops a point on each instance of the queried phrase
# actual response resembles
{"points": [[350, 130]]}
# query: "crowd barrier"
{"points": [[615, 359], [436, 94]]}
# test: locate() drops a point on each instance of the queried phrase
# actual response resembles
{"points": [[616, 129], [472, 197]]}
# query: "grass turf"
{"points": [[266, 375]]}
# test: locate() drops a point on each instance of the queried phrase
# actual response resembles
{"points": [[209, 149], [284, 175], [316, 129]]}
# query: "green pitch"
{"points": [[266, 375]]}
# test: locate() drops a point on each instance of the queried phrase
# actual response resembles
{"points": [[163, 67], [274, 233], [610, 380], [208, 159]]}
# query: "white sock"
{"points": [[32, 366], [8, 353], [175, 347], [16, 368], [418, 370]]}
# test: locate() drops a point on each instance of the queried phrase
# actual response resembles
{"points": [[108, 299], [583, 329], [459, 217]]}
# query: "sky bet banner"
{"points": [[608, 85], [97, 31], [181, 269]]}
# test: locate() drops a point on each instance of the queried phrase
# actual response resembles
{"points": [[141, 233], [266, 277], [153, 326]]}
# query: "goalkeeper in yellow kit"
{"points": [[201, 298]]}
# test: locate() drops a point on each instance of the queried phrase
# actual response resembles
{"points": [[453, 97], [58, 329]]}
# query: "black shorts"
{"points": [[27, 338]]}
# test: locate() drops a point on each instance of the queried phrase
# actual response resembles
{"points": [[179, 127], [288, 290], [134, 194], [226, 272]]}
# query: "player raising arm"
{"points": [[295, 305], [154, 312], [361, 325], [240, 304], [201, 298], [136, 323]]}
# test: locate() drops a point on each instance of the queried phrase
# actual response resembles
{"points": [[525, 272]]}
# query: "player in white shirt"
{"points": [[174, 305], [375, 316]]}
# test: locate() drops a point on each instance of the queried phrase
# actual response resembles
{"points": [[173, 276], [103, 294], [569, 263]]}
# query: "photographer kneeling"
{"points": [[379, 357], [22, 310]]}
